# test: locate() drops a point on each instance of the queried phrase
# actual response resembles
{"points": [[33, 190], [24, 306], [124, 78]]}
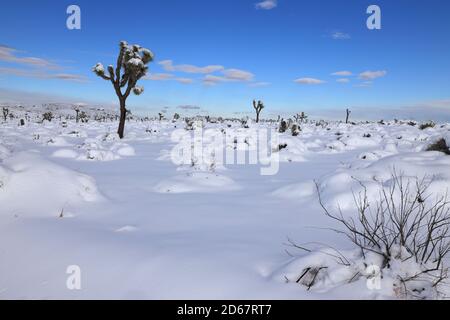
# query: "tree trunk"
{"points": [[123, 114], [257, 117]]}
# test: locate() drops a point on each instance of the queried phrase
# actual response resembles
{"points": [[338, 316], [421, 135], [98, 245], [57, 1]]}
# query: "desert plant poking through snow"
{"points": [[407, 228], [427, 125], [130, 68], [440, 145], [283, 126], [47, 116], [405, 233], [258, 108], [295, 130]]}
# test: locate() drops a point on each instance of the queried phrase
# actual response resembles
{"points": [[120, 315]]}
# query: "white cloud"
{"points": [[371, 75], [259, 84], [342, 73], [188, 68], [365, 84], [42, 69], [238, 75], [229, 75], [343, 80], [167, 77], [212, 80], [8, 54], [39, 74], [159, 76], [184, 80], [337, 35], [266, 4], [309, 81], [189, 107]]}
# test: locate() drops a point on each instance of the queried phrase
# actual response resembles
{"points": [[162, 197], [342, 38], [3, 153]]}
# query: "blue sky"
{"points": [[219, 55]]}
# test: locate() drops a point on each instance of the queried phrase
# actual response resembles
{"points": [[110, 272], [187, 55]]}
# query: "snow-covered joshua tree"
{"points": [[130, 68], [258, 108]]}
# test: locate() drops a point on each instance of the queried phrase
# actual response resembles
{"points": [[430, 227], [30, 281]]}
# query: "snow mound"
{"points": [[4, 152], [203, 182], [33, 186], [58, 142], [99, 155], [126, 151], [65, 153], [105, 148], [296, 191], [339, 188], [346, 273]]}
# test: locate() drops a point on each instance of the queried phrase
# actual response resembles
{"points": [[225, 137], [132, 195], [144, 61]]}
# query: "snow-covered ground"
{"points": [[141, 227]]}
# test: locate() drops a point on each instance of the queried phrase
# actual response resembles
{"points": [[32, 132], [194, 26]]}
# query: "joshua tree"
{"points": [[5, 113], [77, 111], [130, 68], [258, 107], [348, 115], [302, 117]]}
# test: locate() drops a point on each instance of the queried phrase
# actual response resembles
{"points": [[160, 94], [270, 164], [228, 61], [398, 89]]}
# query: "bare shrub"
{"points": [[405, 226]]}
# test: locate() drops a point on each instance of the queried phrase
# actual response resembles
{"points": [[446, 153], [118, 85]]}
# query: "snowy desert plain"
{"points": [[135, 224]]}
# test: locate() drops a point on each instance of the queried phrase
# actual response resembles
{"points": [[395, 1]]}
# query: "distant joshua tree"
{"points": [[348, 115], [302, 117], [77, 117], [130, 68], [5, 113], [258, 108]]}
